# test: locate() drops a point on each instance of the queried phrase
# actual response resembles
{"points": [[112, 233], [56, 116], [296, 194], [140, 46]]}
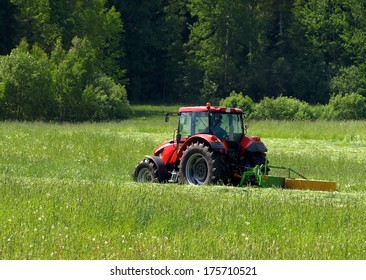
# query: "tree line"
{"points": [[82, 60]]}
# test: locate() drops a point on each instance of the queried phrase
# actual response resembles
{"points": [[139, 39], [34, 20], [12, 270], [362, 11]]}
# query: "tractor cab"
{"points": [[225, 123]]}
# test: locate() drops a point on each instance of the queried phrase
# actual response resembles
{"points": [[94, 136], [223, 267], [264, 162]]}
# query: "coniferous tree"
{"points": [[7, 26], [155, 32]]}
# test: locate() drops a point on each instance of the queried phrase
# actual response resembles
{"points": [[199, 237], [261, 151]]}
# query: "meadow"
{"points": [[66, 192]]}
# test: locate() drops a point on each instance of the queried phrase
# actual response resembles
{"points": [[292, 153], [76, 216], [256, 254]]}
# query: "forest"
{"points": [[74, 60]]}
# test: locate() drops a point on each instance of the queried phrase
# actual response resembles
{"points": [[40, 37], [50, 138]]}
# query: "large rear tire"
{"points": [[200, 166], [145, 172]]}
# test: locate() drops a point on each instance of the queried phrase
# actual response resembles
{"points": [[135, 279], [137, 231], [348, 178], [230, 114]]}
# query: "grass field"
{"points": [[66, 192]]}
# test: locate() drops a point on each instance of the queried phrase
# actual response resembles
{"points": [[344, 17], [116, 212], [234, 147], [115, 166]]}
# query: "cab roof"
{"points": [[215, 109]]}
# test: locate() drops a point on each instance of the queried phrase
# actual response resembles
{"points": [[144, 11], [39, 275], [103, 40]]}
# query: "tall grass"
{"points": [[66, 192], [60, 219], [345, 131]]}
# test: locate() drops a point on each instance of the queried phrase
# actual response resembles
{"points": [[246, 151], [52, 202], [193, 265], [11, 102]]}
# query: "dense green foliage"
{"points": [[165, 51], [67, 86], [70, 195], [26, 84], [238, 100], [67, 67], [340, 107]]}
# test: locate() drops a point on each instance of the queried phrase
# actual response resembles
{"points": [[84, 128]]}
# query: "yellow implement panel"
{"points": [[314, 185]]}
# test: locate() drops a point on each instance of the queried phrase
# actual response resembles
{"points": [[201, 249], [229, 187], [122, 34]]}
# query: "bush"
{"points": [[105, 100], [25, 78], [64, 86], [346, 107], [238, 100], [72, 71], [284, 108]]}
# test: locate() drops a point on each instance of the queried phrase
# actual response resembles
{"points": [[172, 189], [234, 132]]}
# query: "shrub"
{"points": [[238, 100], [25, 77], [346, 107], [72, 71], [105, 100], [283, 108]]}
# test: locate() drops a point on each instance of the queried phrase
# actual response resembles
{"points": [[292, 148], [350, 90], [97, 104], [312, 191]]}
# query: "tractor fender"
{"points": [[208, 139], [257, 147], [252, 144], [161, 167]]}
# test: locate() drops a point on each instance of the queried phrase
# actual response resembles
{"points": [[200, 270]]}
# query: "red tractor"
{"points": [[210, 147]]}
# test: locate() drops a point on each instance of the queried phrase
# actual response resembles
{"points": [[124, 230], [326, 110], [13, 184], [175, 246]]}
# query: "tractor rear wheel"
{"points": [[145, 171], [200, 166]]}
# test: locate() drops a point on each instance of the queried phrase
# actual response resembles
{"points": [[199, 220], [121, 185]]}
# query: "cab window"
{"points": [[185, 124], [201, 122]]}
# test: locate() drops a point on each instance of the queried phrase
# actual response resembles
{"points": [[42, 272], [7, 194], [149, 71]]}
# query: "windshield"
{"points": [[191, 123], [226, 126]]}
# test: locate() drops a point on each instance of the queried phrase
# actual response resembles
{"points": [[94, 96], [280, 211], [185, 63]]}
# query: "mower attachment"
{"points": [[256, 176], [314, 185]]}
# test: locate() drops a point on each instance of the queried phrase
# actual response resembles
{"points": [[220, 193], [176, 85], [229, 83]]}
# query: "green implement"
{"points": [[257, 176]]}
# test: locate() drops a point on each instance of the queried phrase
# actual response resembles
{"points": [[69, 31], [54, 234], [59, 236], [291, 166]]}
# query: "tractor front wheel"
{"points": [[145, 171], [200, 166]]}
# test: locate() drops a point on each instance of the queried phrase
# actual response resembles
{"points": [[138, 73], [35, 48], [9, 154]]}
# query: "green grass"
{"points": [[66, 192], [346, 131]]}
